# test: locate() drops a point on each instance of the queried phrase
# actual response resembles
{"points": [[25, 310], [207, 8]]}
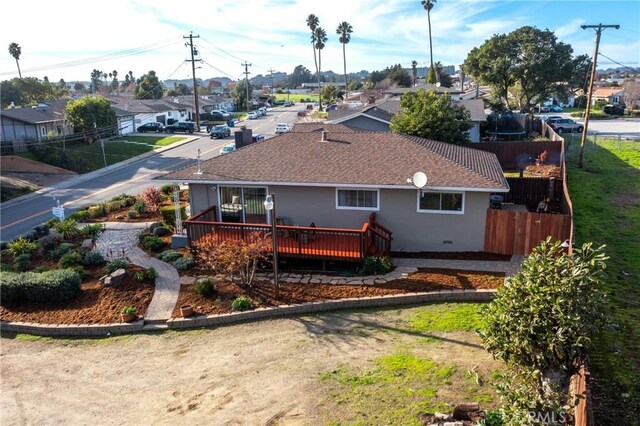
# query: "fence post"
{"points": [[595, 137], [618, 142]]}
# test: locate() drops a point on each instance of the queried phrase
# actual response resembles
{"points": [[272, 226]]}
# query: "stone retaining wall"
{"points": [[253, 315]]}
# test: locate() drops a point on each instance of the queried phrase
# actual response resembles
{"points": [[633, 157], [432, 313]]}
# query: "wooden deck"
{"points": [[299, 241]]}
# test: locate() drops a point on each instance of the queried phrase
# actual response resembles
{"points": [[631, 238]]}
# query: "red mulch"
{"points": [[462, 255], [262, 294], [94, 305]]}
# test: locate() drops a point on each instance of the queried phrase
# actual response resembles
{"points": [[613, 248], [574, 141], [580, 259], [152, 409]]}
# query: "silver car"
{"points": [[566, 125]]}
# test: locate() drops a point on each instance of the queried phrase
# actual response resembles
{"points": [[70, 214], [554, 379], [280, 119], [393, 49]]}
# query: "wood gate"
{"points": [[510, 232]]}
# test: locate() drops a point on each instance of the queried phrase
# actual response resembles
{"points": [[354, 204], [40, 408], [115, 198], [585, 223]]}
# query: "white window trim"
{"points": [[458, 212], [368, 209]]}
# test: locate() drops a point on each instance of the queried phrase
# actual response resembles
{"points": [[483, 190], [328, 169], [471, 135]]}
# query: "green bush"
{"points": [[80, 215], [129, 310], [61, 250], [41, 230], [21, 246], [140, 207], [132, 214], [595, 115], [50, 286], [241, 304], [91, 230], [49, 242], [205, 288], [161, 231], [169, 256], [151, 273], [68, 228], [167, 189], [377, 265], [52, 222], [140, 276], [22, 262], [184, 263], [126, 199], [78, 269], [73, 258], [153, 243], [93, 258], [96, 211], [169, 215], [115, 265], [493, 418]]}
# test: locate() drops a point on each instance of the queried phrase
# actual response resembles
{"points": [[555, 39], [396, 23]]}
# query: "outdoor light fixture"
{"points": [[270, 206]]}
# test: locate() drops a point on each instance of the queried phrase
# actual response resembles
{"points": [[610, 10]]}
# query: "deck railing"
{"points": [[303, 242]]}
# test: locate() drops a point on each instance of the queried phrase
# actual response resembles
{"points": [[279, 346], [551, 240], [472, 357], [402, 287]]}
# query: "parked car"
{"points": [[550, 118], [566, 125], [555, 108], [331, 107], [289, 104], [220, 115], [151, 127], [614, 109], [252, 115], [220, 131], [257, 138], [302, 113], [263, 111], [282, 128], [185, 127], [230, 147], [279, 102]]}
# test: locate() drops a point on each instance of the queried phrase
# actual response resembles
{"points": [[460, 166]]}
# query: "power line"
{"points": [[246, 77], [615, 62], [193, 69]]}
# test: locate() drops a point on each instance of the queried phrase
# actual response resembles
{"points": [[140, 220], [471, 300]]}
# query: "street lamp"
{"points": [[270, 206]]}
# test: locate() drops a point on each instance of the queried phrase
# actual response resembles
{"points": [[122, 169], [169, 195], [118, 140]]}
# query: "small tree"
{"points": [[432, 116], [236, 259], [541, 322], [151, 198]]}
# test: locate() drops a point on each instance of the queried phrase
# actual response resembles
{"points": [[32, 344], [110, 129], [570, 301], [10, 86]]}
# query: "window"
{"points": [[357, 199], [445, 202]]}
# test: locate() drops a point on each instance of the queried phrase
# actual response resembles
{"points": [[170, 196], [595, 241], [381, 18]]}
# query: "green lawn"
{"points": [[115, 150], [295, 97], [606, 203]]}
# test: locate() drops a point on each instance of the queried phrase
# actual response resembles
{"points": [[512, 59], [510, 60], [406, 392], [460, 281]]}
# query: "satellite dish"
{"points": [[419, 180], [438, 84]]}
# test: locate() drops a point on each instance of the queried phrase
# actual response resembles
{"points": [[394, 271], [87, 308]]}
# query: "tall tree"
{"points": [[114, 81], [414, 72], [299, 76], [428, 115], [149, 87], [312, 22], [320, 36], [15, 50], [438, 67], [96, 82], [90, 113], [239, 93], [428, 5], [344, 30]]}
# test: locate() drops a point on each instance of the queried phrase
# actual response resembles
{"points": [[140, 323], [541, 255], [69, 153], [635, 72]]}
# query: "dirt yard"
{"points": [[266, 373]]}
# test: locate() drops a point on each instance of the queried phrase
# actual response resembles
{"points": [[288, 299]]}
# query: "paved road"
{"points": [[628, 128], [23, 214]]}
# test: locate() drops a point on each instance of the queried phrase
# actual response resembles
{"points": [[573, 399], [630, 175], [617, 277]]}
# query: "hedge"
{"points": [[169, 215], [49, 286]]}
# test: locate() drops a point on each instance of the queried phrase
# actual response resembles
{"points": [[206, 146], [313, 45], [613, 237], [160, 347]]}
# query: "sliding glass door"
{"points": [[242, 204]]}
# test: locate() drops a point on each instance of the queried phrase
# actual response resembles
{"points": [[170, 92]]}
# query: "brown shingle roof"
{"points": [[351, 158], [316, 127]]}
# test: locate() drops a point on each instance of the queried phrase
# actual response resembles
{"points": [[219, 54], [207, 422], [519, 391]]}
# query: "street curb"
{"points": [[97, 330]]}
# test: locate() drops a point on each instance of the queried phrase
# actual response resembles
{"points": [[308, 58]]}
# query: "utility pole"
{"points": [[246, 79], [193, 71], [270, 71], [599, 29]]}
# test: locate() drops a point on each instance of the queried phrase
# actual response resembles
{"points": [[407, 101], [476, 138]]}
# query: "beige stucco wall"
{"points": [[412, 231]]}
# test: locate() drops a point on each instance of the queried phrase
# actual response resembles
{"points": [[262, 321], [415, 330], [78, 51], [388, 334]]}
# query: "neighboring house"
{"points": [[399, 91], [35, 123], [145, 111], [610, 94], [378, 117], [336, 180]]}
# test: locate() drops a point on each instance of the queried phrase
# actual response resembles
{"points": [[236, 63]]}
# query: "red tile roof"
{"points": [[351, 158]]}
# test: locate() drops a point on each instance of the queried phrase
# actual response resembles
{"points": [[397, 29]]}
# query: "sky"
{"points": [[68, 39]]}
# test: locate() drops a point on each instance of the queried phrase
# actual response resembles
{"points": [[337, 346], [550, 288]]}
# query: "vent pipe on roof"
{"points": [[325, 136]]}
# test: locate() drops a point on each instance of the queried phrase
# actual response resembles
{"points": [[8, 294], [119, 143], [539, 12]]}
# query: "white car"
{"points": [[282, 128], [252, 115], [230, 147]]}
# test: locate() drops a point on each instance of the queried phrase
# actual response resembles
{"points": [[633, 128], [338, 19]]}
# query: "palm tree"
{"points": [[438, 67], [414, 71], [319, 38], [428, 5], [312, 23], [16, 51], [344, 30]]}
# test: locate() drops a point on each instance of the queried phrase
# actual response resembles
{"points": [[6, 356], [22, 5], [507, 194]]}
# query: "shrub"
{"points": [[125, 199], [21, 246], [241, 304], [132, 214], [153, 243], [115, 265], [169, 215], [161, 231], [96, 211], [73, 258], [167, 189], [93, 258], [140, 207], [61, 250], [68, 228], [184, 263], [151, 198], [151, 273], [140, 276], [30, 235], [169, 256], [129, 310], [78, 269], [41, 230], [50, 286], [113, 206], [154, 225], [22, 262], [377, 265], [52, 222], [80, 215], [91, 230], [205, 288]]}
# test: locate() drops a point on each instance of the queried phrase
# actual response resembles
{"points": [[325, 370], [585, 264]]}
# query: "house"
{"points": [[610, 94], [377, 117], [132, 113], [35, 123], [335, 178]]}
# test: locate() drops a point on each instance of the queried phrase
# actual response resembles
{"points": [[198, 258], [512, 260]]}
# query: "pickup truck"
{"points": [[180, 127]]}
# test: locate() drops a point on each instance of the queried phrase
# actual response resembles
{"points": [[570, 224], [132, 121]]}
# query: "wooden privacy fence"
{"points": [[530, 191], [511, 232], [518, 155]]}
